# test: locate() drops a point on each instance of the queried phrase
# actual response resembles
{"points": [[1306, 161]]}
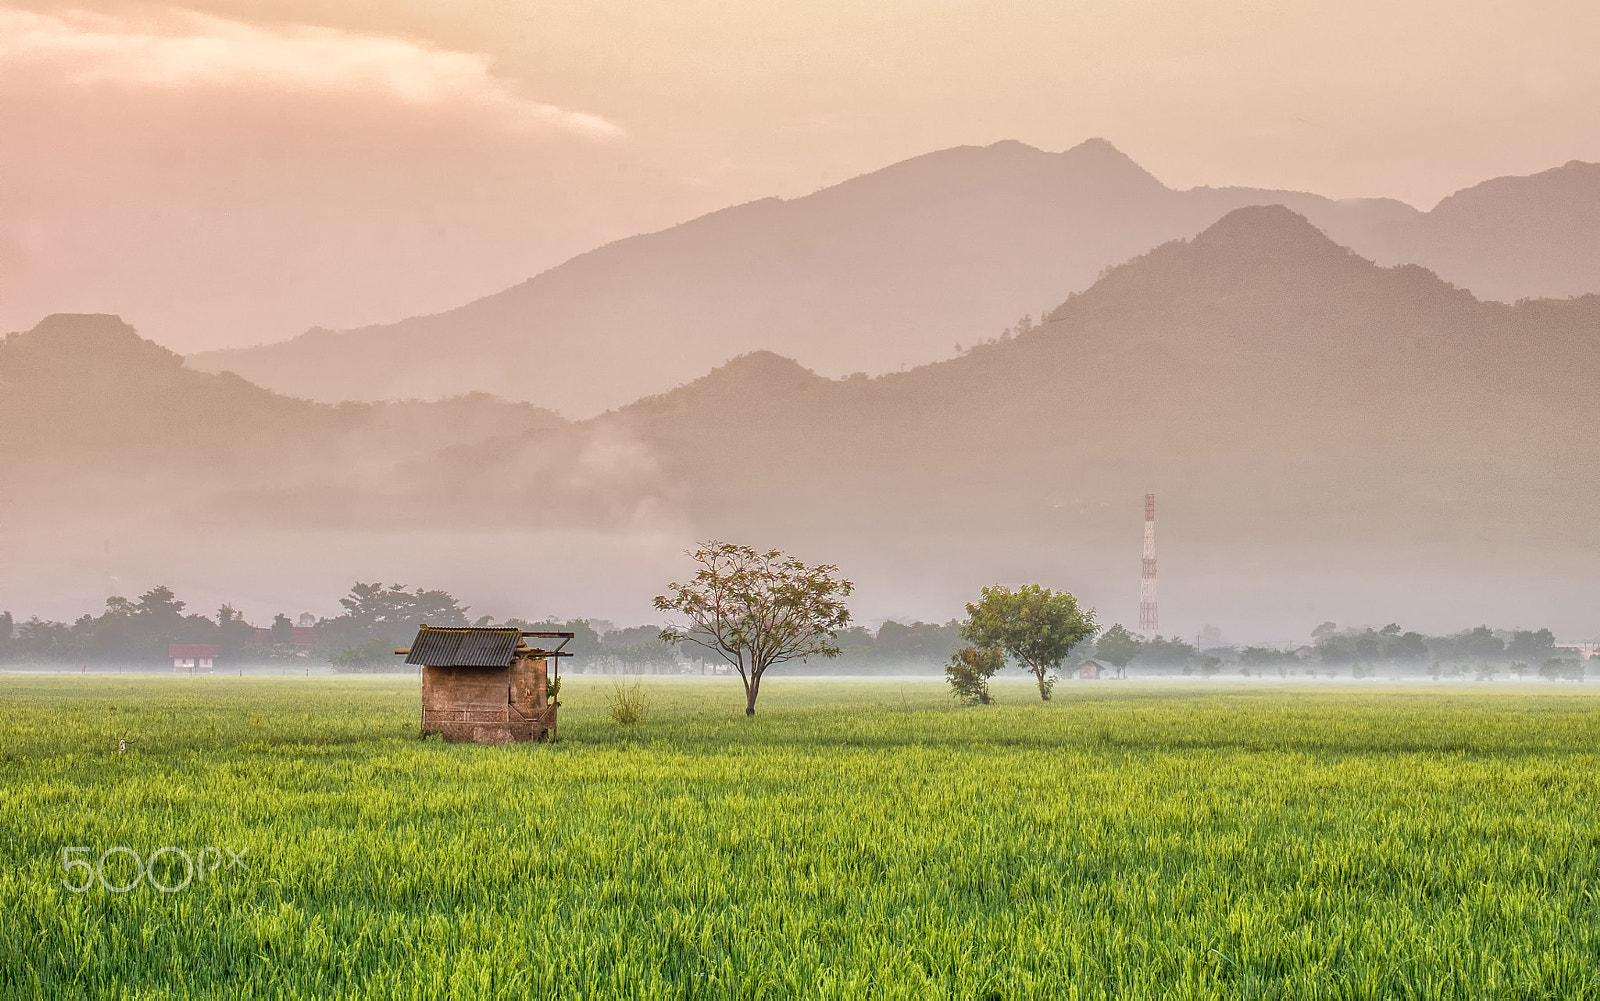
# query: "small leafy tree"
{"points": [[1034, 625], [1117, 647], [755, 610], [969, 671]]}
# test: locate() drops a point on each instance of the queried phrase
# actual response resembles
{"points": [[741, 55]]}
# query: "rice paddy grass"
{"points": [[856, 839]]}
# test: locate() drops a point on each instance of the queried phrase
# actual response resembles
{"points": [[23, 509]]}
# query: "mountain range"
{"points": [[1327, 437], [893, 269]]}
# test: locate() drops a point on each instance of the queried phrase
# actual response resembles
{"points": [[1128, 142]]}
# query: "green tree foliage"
{"points": [[1482, 642], [897, 645], [1163, 652], [585, 646], [282, 632], [1266, 656], [1335, 646], [159, 606], [856, 645], [1035, 626], [919, 642], [1118, 647], [234, 634], [134, 633], [755, 610], [1529, 645], [1562, 669], [377, 620], [1406, 647], [638, 649], [969, 671]]}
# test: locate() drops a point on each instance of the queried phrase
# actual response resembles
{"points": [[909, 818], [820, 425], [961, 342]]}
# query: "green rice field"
{"points": [[856, 839]]}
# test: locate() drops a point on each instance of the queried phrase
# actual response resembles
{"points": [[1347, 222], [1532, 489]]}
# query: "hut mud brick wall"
{"points": [[486, 685]]}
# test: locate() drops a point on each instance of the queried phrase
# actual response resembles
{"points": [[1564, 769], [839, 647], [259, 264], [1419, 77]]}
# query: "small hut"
{"points": [[1091, 670], [486, 684]]}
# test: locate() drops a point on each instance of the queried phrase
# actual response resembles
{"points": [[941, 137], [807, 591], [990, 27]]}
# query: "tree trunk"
{"points": [[751, 690], [1044, 692]]}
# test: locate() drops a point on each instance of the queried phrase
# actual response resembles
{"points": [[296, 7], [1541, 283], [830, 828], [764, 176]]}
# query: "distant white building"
{"points": [[192, 657]]}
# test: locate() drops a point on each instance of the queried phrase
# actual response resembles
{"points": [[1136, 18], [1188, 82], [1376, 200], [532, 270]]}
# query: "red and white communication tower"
{"points": [[1148, 623]]}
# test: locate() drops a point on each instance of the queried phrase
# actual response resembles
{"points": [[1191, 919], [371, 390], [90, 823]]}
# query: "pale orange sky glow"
{"points": [[231, 173]]}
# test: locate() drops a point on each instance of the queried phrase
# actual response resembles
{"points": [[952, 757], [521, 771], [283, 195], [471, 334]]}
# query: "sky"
{"points": [[230, 173]]}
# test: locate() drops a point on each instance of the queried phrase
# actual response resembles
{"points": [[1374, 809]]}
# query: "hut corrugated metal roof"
{"points": [[465, 646]]}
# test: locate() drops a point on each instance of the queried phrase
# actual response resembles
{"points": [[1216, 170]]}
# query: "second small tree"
{"points": [[969, 671], [1034, 625]]}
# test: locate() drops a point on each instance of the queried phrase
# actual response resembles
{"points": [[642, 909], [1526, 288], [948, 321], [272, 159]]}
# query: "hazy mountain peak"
{"points": [[1100, 160], [743, 383], [1274, 231], [1015, 146], [764, 368], [1258, 250], [965, 172], [1570, 191], [87, 341]]}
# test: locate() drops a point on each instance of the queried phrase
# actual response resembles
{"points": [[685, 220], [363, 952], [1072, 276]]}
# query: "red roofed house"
{"points": [[194, 656]]}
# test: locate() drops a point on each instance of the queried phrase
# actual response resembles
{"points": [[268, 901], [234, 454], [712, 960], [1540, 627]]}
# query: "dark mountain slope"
{"points": [[89, 408], [90, 386], [888, 269], [1514, 237], [1295, 396]]}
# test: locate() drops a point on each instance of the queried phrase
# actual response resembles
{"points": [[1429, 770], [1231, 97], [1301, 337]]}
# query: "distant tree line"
{"points": [[378, 618], [1480, 653], [896, 646], [138, 632]]}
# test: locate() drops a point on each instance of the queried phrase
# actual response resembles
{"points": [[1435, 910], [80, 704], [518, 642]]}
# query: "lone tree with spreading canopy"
{"points": [[755, 610], [1034, 625]]}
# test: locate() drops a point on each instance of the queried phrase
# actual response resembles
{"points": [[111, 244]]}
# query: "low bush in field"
{"points": [[626, 705]]}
